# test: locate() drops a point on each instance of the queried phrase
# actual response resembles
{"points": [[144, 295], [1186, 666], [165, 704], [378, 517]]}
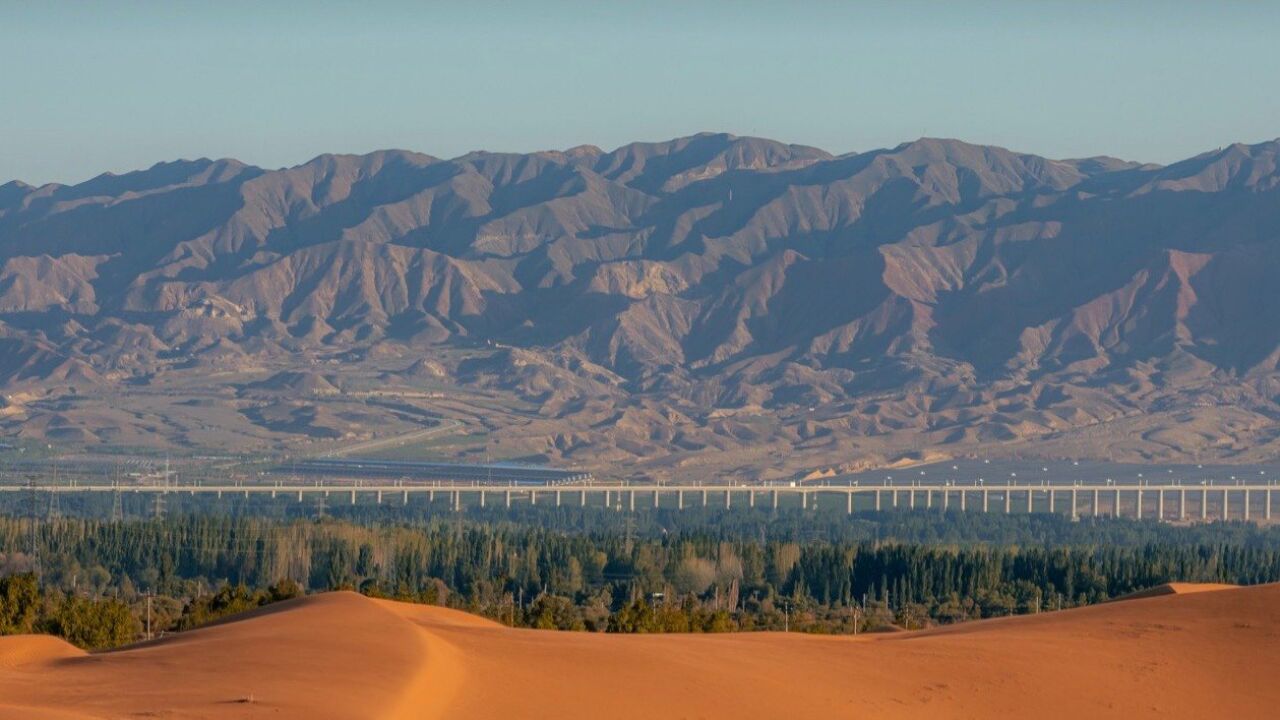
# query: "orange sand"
{"points": [[1179, 655], [1177, 589]]}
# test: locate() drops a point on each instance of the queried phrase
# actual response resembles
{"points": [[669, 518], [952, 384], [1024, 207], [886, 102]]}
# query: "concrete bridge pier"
{"points": [[582, 497], [911, 499], [1246, 504], [1053, 495], [963, 495], [379, 497], [1226, 504], [353, 497], [848, 503], [877, 501], [928, 499], [1160, 505], [1008, 502], [1138, 505], [1095, 502], [1204, 504], [986, 501], [728, 498], [533, 497], [775, 499], [751, 498], [631, 501], [1266, 513], [482, 494], [1030, 500], [404, 499], [656, 495], [704, 498], [680, 500], [457, 501], [946, 500], [804, 501], [1182, 504], [1075, 511]]}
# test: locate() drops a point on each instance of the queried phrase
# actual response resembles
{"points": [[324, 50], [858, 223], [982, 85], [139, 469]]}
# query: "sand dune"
{"points": [[21, 651], [1177, 589], [1179, 655]]}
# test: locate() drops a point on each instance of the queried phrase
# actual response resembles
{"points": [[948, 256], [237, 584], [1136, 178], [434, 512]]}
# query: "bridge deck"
{"points": [[1164, 502]]}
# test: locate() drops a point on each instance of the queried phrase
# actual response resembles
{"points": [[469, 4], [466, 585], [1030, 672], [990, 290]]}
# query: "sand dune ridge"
{"points": [[1179, 655]]}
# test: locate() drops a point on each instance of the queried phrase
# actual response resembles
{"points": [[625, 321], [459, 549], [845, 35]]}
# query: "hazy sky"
{"points": [[86, 88]]}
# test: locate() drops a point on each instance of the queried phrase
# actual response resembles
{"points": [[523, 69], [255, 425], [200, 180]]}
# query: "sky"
{"points": [[87, 88]]}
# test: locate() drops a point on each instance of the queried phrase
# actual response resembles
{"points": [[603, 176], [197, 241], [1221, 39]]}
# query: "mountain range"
{"points": [[774, 306]]}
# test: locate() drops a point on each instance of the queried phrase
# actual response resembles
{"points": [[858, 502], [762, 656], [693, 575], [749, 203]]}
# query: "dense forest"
{"points": [[607, 571]]}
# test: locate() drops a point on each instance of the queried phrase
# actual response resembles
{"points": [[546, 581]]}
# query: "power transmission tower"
{"points": [[33, 509], [117, 506], [629, 527], [320, 506], [157, 508], [55, 509]]}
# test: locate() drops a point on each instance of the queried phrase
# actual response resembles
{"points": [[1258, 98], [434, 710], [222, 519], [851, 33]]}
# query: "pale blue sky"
{"points": [[87, 88]]}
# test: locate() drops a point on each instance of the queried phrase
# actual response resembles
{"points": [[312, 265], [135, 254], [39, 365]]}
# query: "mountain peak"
{"points": [[663, 167], [584, 151]]}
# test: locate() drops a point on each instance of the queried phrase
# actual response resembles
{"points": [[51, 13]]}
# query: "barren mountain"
{"points": [[709, 300]]}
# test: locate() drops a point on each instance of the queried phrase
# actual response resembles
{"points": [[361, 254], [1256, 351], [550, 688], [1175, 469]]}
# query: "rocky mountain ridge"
{"points": [[941, 293]]}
